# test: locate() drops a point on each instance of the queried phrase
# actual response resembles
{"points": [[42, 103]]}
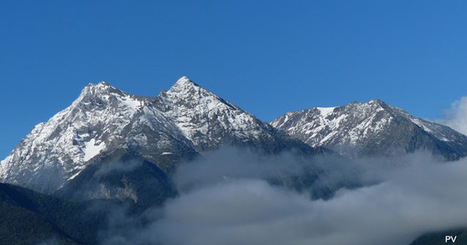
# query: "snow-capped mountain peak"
{"points": [[189, 94], [64, 144], [184, 87], [184, 121], [105, 94], [183, 84], [98, 89], [373, 127], [205, 118]]}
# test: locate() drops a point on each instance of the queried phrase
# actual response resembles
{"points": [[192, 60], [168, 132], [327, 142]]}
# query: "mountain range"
{"points": [[105, 124], [373, 128], [111, 145]]}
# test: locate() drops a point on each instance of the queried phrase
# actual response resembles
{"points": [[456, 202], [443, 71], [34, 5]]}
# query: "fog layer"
{"points": [[226, 198]]}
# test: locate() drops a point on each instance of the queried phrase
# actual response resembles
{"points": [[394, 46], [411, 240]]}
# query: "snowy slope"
{"points": [[372, 128], [177, 124], [102, 119], [209, 121]]}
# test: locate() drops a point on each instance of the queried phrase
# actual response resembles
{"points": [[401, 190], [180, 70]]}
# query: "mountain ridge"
{"points": [[109, 145], [176, 125], [358, 128], [97, 121], [187, 120]]}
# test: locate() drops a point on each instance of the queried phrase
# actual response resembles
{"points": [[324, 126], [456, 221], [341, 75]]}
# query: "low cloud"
{"points": [[456, 116], [232, 163], [286, 169], [227, 199]]}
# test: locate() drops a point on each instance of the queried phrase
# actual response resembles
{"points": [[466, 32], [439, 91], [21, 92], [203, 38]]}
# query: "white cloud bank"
{"points": [[421, 197], [456, 116]]}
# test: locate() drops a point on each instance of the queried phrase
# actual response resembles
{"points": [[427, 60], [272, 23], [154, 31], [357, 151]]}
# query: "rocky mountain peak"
{"points": [[371, 128], [208, 120], [373, 104], [189, 94], [99, 89], [376, 102], [177, 124], [184, 88], [103, 96], [182, 84], [185, 96], [96, 122]]}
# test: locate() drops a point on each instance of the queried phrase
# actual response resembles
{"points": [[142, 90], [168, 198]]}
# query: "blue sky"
{"points": [[268, 57]]}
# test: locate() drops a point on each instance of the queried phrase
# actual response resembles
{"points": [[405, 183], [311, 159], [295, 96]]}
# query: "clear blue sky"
{"points": [[268, 57]]}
